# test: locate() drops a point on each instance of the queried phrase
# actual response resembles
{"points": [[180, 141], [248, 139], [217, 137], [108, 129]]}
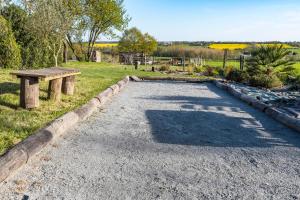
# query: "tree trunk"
{"points": [[65, 53], [56, 62]]}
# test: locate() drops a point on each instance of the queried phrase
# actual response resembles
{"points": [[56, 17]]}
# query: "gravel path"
{"points": [[167, 140]]}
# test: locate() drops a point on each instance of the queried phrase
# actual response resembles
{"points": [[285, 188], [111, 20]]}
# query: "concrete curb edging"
{"points": [[19, 155], [274, 113]]}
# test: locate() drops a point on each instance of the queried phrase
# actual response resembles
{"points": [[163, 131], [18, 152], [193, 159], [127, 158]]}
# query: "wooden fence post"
{"points": [[225, 58]]}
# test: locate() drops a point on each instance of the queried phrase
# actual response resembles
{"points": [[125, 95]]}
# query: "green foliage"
{"points": [[267, 57], [210, 71], [95, 18], [237, 75], [18, 19], [190, 70], [199, 69], [34, 52], [134, 41], [50, 21], [269, 64], [165, 68], [10, 56], [266, 81]]}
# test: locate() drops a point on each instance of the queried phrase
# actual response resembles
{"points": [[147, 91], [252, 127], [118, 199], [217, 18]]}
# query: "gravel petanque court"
{"points": [[166, 140]]}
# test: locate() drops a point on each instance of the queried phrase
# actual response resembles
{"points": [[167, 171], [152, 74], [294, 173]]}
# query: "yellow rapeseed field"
{"points": [[105, 45], [241, 46], [228, 46]]}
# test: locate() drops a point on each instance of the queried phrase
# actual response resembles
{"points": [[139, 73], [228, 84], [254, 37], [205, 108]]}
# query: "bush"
{"points": [[236, 75], [199, 69], [263, 80], [10, 55], [165, 68], [210, 71], [34, 51], [190, 70]]}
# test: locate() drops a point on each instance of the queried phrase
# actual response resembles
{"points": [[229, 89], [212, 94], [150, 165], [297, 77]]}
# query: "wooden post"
{"points": [[225, 58], [68, 85], [54, 89], [242, 62], [29, 92]]}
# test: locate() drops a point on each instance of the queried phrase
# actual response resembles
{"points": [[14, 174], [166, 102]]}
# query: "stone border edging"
{"points": [[274, 113], [22, 152]]}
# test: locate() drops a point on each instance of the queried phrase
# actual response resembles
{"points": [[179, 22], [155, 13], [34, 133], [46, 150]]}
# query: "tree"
{"points": [[50, 21], [96, 18], [134, 41], [10, 56], [149, 44], [266, 58], [131, 41]]}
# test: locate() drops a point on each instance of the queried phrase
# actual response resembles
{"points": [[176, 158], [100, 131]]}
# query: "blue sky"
{"points": [[218, 20]]}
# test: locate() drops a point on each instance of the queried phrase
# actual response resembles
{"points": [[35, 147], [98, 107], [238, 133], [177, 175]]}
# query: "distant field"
{"points": [[102, 45], [240, 46], [228, 46], [105, 45]]}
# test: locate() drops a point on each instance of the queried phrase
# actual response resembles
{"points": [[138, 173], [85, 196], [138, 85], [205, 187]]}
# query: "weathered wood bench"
{"points": [[60, 80]]}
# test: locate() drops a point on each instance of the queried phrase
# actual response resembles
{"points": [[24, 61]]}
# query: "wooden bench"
{"points": [[60, 80]]}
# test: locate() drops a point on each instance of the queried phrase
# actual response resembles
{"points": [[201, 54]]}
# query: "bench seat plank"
{"points": [[47, 74]]}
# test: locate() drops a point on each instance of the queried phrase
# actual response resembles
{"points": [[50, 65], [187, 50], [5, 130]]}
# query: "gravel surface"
{"points": [[166, 140]]}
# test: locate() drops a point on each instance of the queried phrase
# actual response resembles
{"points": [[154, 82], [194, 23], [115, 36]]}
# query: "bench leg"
{"points": [[68, 85], [29, 92], [54, 89]]}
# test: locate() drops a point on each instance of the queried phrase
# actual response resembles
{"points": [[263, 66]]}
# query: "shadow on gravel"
{"points": [[207, 126], [214, 129]]}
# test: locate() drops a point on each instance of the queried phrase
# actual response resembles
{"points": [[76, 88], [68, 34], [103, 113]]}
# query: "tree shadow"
{"points": [[8, 104], [202, 128], [9, 88], [218, 121]]}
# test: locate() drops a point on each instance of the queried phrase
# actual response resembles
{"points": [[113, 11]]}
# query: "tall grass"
{"points": [[191, 52]]}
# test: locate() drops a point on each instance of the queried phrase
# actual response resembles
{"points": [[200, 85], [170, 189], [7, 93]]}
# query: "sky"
{"points": [[216, 20]]}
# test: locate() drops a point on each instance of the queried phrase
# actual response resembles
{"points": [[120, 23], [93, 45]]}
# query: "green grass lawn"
{"points": [[16, 123], [220, 63]]}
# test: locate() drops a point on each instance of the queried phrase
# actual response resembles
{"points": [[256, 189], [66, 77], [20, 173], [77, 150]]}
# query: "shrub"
{"points": [[210, 71], [220, 71], [199, 69], [263, 80], [190, 70], [10, 56], [165, 68], [236, 75], [34, 51]]}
